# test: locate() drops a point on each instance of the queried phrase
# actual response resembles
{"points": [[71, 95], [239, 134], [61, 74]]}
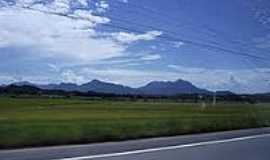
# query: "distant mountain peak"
{"points": [[68, 83], [106, 87], [166, 88], [96, 81], [23, 83], [182, 81], [171, 88]]}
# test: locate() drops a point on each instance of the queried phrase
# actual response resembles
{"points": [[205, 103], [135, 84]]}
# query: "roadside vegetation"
{"points": [[28, 122]]}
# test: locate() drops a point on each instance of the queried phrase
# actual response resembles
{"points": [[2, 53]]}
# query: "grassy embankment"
{"points": [[39, 122]]}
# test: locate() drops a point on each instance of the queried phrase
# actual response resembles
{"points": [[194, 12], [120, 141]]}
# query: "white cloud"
{"points": [[53, 67], [124, 37], [124, 1], [151, 57], [89, 16], [185, 69], [6, 79], [50, 35], [263, 42], [261, 14], [60, 6], [261, 11], [56, 6], [38, 79], [102, 6], [55, 30], [240, 81], [71, 77], [129, 77], [178, 44], [84, 2]]}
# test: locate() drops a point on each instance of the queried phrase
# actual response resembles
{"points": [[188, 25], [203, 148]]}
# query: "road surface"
{"points": [[253, 144]]}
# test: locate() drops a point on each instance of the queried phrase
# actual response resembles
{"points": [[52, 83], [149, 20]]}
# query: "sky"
{"points": [[217, 45]]}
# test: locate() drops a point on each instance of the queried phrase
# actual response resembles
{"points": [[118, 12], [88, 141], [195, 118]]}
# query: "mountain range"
{"points": [[166, 88]]}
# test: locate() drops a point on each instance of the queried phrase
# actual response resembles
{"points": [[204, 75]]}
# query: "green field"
{"points": [[43, 121]]}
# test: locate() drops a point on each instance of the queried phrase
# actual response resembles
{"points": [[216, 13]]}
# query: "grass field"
{"points": [[40, 121]]}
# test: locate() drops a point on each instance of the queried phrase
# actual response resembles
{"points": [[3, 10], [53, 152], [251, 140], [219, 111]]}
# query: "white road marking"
{"points": [[166, 148]]}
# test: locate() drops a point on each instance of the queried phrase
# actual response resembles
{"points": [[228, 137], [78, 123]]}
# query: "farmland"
{"points": [[28, 122]]}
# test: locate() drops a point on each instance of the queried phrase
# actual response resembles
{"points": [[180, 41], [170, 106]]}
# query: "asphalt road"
{"points": [[253, 144], [251, 149]]}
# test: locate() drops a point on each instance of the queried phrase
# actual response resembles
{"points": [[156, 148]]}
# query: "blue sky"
{"points": [[218, 45]]}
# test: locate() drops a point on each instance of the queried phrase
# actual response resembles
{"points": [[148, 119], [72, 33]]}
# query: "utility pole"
{"points": [[201, 100], [214, 98]]}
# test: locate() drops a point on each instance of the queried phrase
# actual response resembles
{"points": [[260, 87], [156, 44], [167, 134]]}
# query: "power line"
{"points": [[146, 26], [173, 39], [168, 38], [154, 28], [168, 17], [148, 9]]}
